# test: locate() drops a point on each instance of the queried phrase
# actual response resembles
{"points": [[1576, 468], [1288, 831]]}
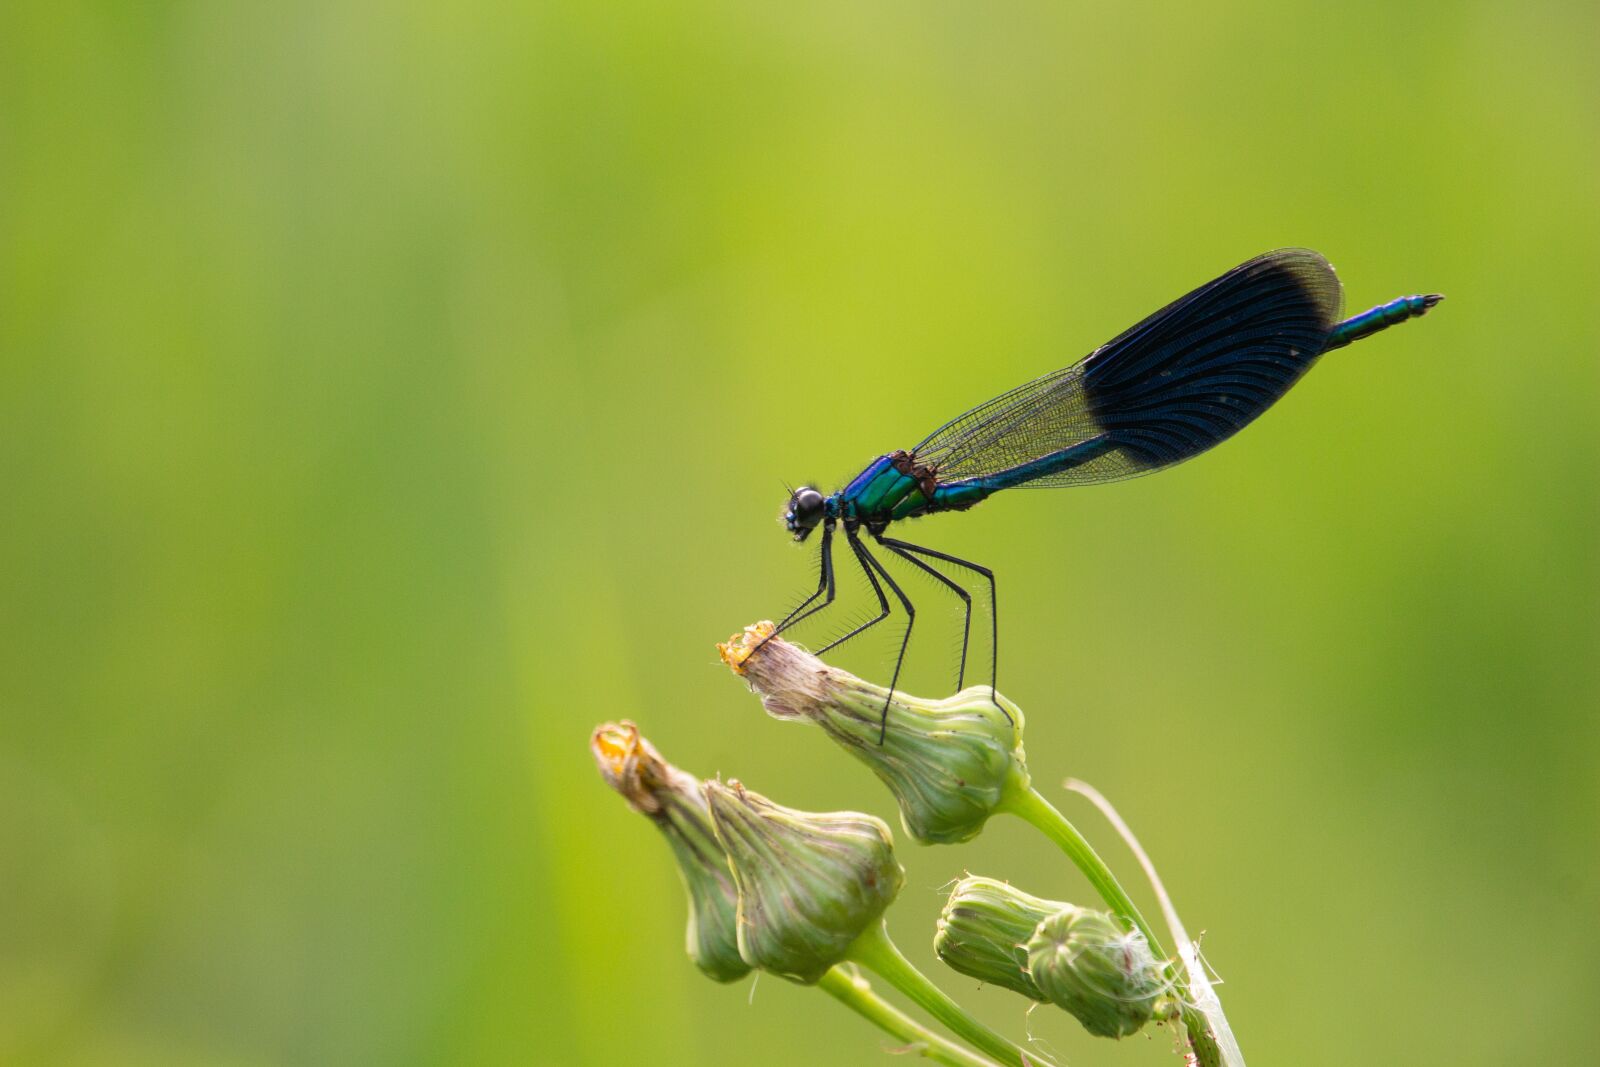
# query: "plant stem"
{"points": [[1027, 803], [874, 951], [853, 992]]}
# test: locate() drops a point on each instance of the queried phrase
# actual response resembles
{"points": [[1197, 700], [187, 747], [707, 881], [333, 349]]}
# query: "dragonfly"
{"points": [[1165, 390]]}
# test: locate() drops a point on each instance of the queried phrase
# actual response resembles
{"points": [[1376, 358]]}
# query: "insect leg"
{"points": [[994, 611], [824, 585], [883, 601], [900, 548], [905, 639]]}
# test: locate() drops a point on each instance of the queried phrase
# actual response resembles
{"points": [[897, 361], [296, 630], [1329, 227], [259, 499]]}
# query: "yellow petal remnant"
{"points": [[630, 765], [739, 647], [614, 744]]}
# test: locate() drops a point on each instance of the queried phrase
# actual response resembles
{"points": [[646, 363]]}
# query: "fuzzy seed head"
{"points": [[983, 932], [1096, 967]]}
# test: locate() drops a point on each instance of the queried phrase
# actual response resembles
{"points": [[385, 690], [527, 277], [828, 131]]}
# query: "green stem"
{"points": [[853, 992], [874, 951], [1028, 804]]}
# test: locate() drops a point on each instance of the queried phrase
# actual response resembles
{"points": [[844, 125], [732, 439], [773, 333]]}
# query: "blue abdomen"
{"points": [[963, 494], [1381, 317]]}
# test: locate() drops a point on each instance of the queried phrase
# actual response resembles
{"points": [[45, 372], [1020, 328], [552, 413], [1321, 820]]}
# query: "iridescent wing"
{"points": [[1186, 378]]}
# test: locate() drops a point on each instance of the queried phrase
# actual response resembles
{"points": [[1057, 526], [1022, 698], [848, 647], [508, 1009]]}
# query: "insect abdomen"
{"points": [[965, 493], [1381, 317]]}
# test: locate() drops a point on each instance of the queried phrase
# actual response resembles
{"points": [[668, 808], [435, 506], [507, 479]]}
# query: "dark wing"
{"points": [[1186, 378]]}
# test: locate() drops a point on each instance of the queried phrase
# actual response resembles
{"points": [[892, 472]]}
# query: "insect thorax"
{"points": [[893, 486]]}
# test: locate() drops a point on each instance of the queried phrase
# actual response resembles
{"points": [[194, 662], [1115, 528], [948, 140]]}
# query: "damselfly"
{"points": [[1186, 378]]}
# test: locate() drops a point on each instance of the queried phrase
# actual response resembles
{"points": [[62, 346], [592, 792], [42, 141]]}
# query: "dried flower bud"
{"points": [[950, 763], [984, 929], [809, 884], [1100, 970], [673, 800]]}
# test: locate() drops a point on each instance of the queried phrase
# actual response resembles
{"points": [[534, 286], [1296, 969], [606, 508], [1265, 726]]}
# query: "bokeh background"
{"points": [[389, 393]]}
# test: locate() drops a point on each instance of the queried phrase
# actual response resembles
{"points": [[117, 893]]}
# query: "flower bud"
{"points": [[809, 884], [673, 800], [1100, 970], [949, 763], [984, 929]]}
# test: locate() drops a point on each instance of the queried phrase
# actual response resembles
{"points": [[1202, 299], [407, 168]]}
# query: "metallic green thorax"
{"points": [[891, 488], [882, 491]]}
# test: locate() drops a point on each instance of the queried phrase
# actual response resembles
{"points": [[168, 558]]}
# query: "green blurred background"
{"points": [[389, 393]]}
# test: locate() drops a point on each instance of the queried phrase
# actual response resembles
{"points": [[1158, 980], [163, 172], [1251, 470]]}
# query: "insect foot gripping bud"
{"points": [[674, 801], [949, 763], [809, 884], [984, 929], [1092, 965]]}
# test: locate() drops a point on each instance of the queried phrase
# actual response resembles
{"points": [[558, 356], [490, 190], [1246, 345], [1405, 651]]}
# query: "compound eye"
{"points": [[808, 503]]}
